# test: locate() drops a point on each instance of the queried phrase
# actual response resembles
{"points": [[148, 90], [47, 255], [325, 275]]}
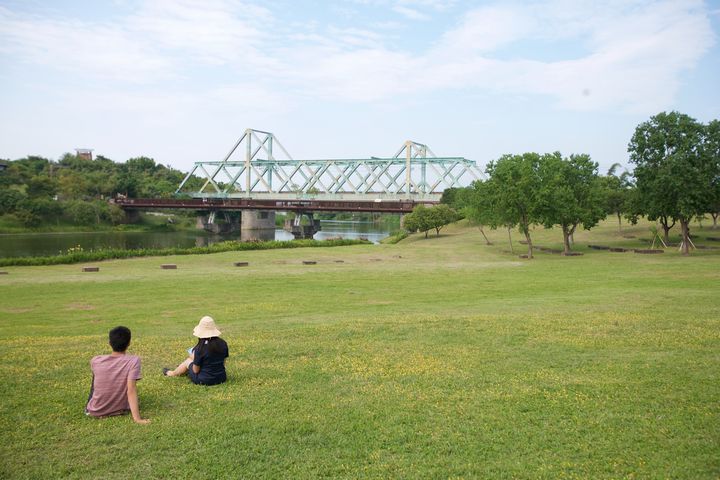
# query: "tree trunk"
{"points": [[566, 239], [714, 217], [619, 222], [572, 234], [525, 227], [685, 229], [426, 232], [666, 228], [437, 231], [529, 243], [510, 240], [487, 242]]}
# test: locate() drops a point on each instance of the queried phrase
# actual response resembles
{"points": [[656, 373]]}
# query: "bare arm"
{"points": [[133, 401], [196, 368]]}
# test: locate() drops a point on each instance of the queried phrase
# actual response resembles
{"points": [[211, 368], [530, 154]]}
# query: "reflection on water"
{"points": [[42, 244]]}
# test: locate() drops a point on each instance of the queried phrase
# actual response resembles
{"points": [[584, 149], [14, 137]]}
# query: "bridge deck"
{"points": [[384, 206]]}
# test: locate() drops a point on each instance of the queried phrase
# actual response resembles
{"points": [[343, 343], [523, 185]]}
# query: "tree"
{"points": [[81, 212], [72, 184], [451, 196], [10, 199], [512, 191], [617, 191], [570, 194], [478, 207], [41, 186], [674, 171], [441, 215], [419, 220], [712, 150], [116, 214]]}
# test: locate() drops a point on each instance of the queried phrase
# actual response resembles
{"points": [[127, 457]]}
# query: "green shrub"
{"points": [[395, 237], [113, 253]]}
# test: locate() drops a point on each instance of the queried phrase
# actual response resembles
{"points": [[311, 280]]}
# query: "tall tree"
{"points": [[617, 192], [570, 195], [513, 188], [478, 208], [712, 150], [674, 174]]}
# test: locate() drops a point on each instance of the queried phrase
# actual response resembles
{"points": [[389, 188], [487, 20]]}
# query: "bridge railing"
{"points": [[296, 205]]}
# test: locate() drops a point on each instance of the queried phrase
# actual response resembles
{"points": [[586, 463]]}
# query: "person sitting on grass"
{"points": [[206, 363], [114, 388]]}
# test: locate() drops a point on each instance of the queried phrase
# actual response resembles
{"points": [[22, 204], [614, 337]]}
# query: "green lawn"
{"points": [[437, 358]]}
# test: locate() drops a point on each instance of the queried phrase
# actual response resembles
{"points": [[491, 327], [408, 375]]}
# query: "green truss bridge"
{"points": [[259, 167]]}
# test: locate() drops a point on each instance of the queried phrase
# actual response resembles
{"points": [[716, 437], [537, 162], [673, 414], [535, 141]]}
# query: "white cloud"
{"points": [[634, 51], [71, 45], [210, 31], [486, 29], [410, 13]]}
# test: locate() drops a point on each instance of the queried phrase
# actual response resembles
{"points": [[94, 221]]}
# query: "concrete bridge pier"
{"points": [[218, 221], [300, 231], [132, 216], [257, 225]]}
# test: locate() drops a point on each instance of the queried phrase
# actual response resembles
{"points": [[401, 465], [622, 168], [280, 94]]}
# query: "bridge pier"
{"points": [[257, 225], [132, 216], [218, 221], [300, 231]]}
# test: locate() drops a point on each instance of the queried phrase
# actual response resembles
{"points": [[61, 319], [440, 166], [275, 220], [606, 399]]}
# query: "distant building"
{"points": [[3, 165], [85, 153]]}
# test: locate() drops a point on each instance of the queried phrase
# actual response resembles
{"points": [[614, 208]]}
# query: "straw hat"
{"points": [[206, 328]]}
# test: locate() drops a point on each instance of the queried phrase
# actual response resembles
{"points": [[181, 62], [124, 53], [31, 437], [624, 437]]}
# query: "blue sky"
{"points": [[180, 80]]}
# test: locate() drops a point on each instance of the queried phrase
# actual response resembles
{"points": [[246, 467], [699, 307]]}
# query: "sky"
{"points": [[180, 81]]}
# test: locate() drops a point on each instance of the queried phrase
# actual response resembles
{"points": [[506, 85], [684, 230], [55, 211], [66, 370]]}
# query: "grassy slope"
{"points": [[429, 358]]}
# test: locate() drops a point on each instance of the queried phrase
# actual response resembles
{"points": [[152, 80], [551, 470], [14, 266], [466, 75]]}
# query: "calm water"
{"points": [[41, 244]]}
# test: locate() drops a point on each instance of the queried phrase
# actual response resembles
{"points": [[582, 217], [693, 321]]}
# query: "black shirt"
{"points": [[211, 362]]}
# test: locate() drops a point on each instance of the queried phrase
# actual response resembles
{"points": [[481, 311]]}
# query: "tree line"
{"points": [[676, 179], [35, 190]]}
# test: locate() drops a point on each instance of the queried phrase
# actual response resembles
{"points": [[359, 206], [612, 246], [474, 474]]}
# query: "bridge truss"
{"points": [[269, 171]]}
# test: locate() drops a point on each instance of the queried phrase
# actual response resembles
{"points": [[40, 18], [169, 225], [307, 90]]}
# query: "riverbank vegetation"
{"points": [[78, 254], [439, 357], [44, 195]]}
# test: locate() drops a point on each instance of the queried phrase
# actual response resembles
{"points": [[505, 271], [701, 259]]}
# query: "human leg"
{"points": [[180, 369]]}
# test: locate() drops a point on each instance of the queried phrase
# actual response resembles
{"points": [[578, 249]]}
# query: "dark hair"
{"points": [[211, 345], [119, 339]]}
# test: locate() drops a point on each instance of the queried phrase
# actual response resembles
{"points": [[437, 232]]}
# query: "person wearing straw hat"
{"points": [[206, 363]]}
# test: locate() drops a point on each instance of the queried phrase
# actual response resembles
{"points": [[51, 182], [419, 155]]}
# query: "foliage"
{"points": [[82, 212], [10, 199], [618, 192], [570, 194], [395, 237], [712, 150], [418, 220], [512, 193], [80, 185], [674, 170], [442, 215], [424, 218], [79, 255]]}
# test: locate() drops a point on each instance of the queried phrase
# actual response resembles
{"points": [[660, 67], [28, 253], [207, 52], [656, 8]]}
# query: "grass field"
{"points": [[437, 358]]}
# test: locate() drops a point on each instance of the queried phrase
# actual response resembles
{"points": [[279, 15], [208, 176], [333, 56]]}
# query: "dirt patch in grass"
{"points": [[79, 306], [17, 310]]}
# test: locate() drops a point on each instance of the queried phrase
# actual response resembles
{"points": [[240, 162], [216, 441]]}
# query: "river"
{"points": [[44, 244]]}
